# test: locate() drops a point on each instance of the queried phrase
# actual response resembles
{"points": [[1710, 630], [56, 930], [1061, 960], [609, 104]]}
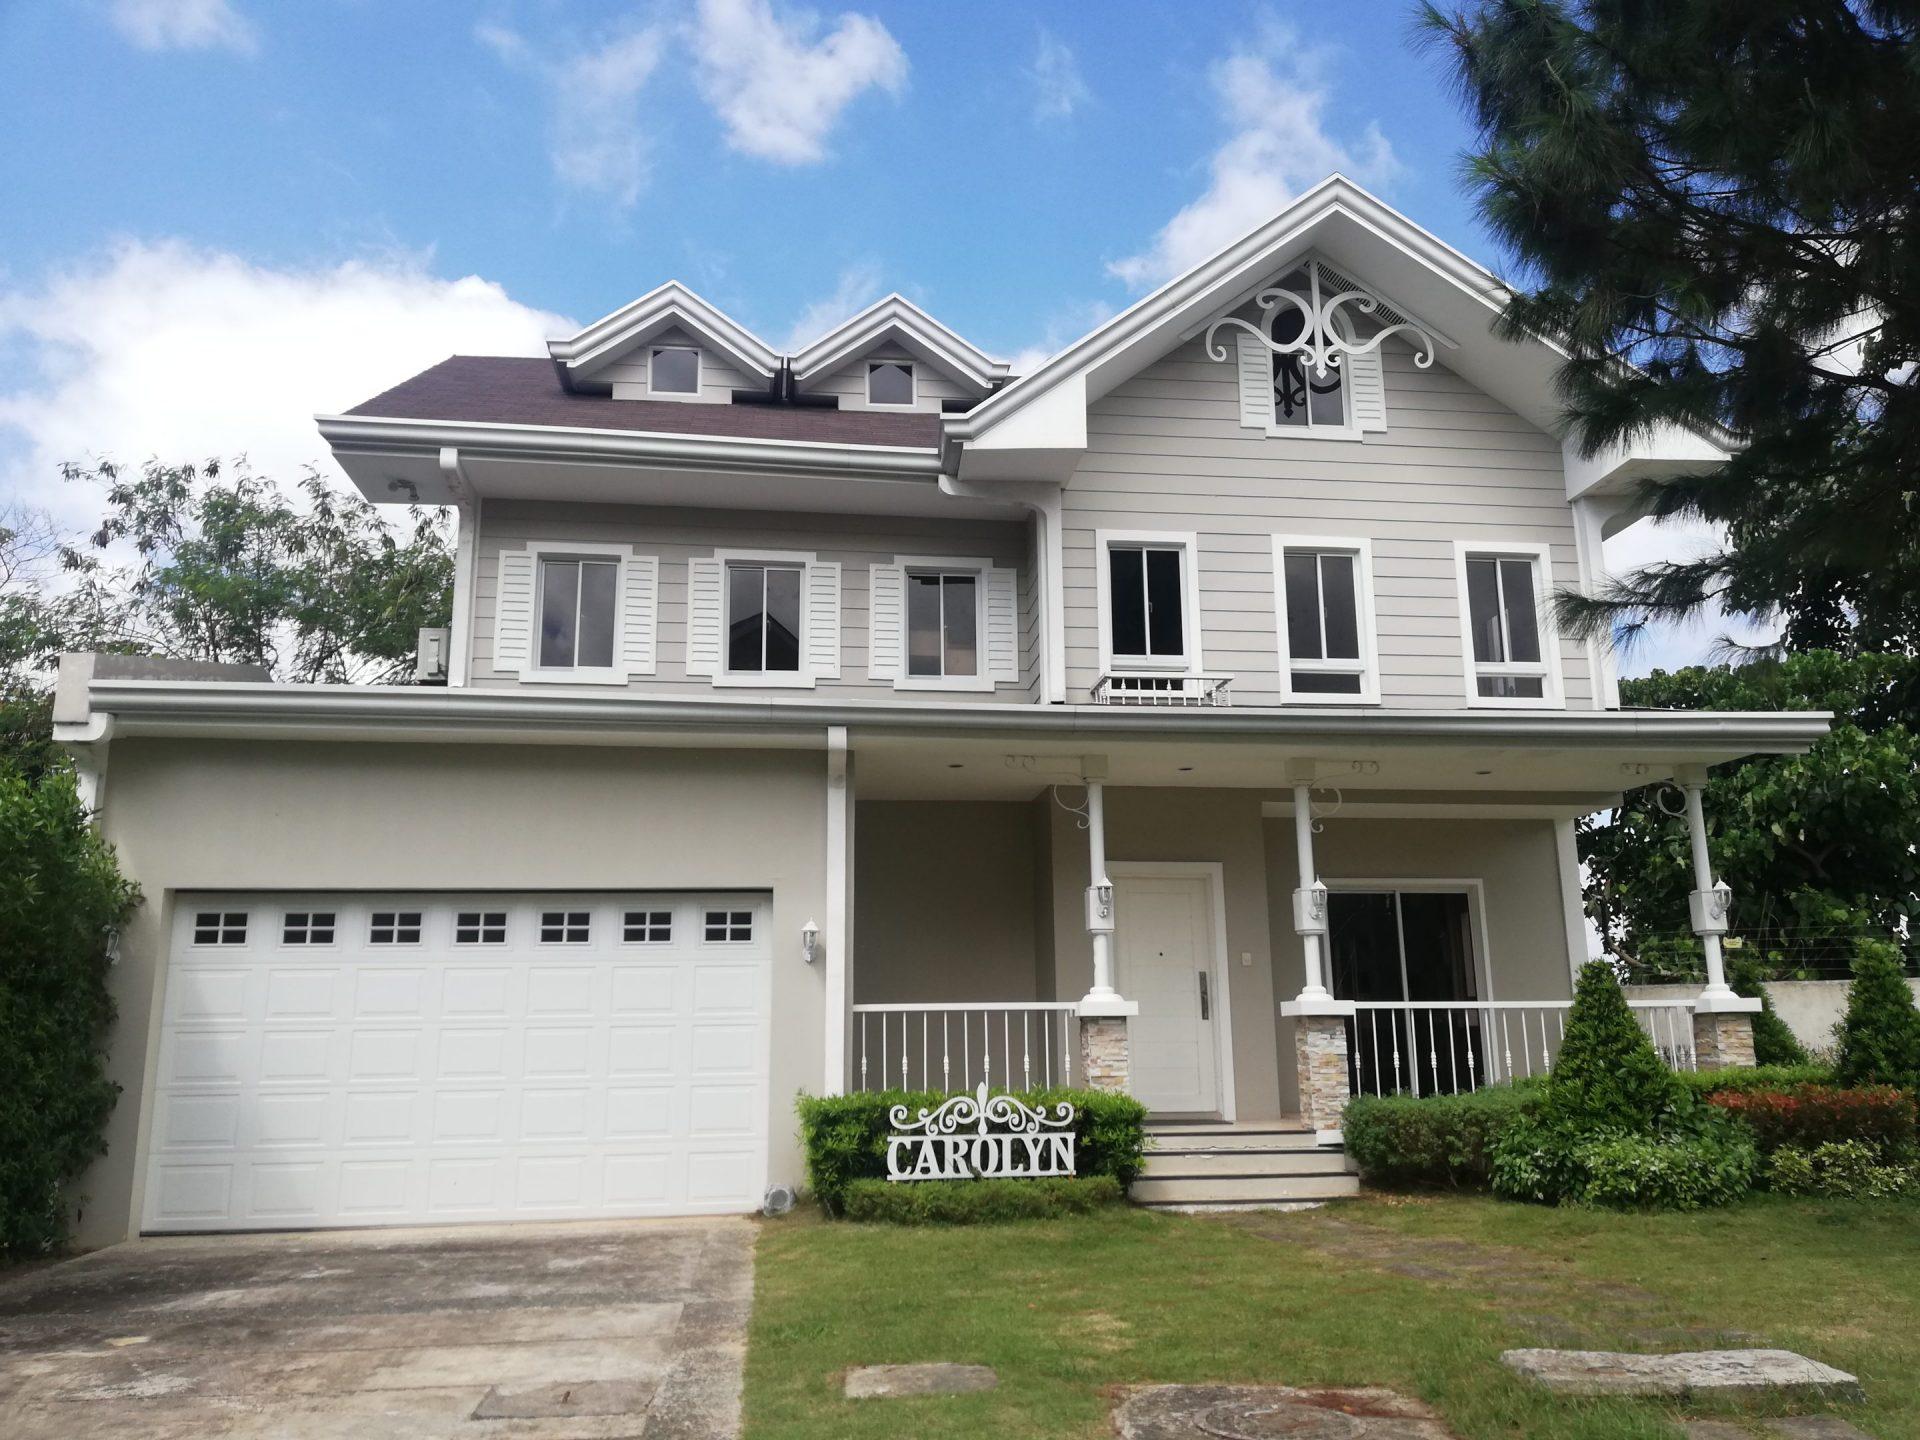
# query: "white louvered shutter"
{"points": [[1367, 384], [886, 621], [513, 613], [1003, 625], [1256, 381], [640, 614], [703, 615], [823, 619]]}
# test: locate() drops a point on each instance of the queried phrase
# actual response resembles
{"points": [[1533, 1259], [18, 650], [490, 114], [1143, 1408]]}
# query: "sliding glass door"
{"points": [[1407, 952]]}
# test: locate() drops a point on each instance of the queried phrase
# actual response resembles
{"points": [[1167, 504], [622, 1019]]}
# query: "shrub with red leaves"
{"points": [[1811, 1115]]}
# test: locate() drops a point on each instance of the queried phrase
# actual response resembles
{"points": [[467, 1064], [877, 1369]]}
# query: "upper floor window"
{"points": [[1304, 396], [943, 623], [763, 618], [1327, 639], [1510, 657], [674, 370], [578, 599], [1147, 602], [890, 382]]}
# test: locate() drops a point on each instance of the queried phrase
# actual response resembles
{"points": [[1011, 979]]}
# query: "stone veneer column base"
{"points": [[1320, 1048], [1722, 1040], [1104, 1063]]}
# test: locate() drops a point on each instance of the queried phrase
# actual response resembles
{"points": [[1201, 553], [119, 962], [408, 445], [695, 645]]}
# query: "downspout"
{"points": [[1049, 585], [466, 564]]}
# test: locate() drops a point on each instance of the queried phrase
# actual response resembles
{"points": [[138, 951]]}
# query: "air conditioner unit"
{"points": [[430, 658]]}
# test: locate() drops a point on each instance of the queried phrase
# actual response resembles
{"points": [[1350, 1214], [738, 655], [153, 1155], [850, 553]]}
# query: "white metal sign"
{"points": [[980, 1137]]}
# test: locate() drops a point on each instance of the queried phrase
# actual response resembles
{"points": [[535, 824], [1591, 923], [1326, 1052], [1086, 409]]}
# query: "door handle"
{"points": [[1206, 1002]]}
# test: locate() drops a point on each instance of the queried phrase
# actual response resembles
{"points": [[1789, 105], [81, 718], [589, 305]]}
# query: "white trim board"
{"points": [[1214, 873]]}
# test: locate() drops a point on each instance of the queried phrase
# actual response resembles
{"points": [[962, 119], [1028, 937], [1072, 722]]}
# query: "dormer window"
{"points": [[890, 382], [674, 370]]}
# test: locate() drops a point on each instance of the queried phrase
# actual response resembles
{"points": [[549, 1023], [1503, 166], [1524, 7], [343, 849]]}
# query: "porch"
{"points": [[1230, 935]]}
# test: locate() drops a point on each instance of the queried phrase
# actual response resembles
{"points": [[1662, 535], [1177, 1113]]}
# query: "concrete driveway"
{"points": [[633, 1328]]}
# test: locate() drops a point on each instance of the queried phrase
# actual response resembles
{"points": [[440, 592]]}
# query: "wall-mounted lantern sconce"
{"points": [[810, 942]]}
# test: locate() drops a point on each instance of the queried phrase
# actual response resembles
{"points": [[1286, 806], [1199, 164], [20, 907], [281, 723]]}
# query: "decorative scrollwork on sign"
{"points": [[1324, 330], [978, 1135]]}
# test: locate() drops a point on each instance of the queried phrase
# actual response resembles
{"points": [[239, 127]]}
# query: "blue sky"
{"points": [[225, 215]]}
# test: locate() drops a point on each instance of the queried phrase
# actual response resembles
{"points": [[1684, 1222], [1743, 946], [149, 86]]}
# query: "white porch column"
{"points": [[1319, 1020], [839, 887], [1722, 1020], [1099, 895], [1310, 899], [1105, 1058]]}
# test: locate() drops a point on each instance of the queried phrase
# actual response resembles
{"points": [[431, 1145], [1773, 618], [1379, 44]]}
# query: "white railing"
{"points": [[1188, 690], [954, 1047], [1420, 1047]]}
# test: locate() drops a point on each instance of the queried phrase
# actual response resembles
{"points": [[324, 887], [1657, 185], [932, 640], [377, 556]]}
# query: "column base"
{"points": [[1723, 1039], [1320, 1053], [1105, 1062]]}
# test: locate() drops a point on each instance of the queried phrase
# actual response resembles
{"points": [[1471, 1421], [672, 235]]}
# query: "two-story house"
{"points": [[1186, 715]]}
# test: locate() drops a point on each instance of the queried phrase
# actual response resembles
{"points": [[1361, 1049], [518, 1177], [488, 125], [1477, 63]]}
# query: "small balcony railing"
{"points": [[1020, 1046], [1176, 690], [1416, 1047]]}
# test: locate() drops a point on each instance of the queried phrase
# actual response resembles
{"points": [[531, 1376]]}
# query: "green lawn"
{"points": [[1421, 1295]]}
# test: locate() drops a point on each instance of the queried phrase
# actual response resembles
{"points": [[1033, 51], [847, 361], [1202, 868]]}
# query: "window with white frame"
{"points": [[1304, 397], [674, 370], [890, 382], [1147, 584], [220, 927], [764, 617], [1509, 651], [480, 927], [1325, 612], [579, 599], [647, 927], [728, 927], [943, 623], [307, 927], [565, 927], [394, 927]]}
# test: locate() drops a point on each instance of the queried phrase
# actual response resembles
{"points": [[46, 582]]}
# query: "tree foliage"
{"points": [[1818, 848], [1879, 1036], [61, 900], [1715, 206]]}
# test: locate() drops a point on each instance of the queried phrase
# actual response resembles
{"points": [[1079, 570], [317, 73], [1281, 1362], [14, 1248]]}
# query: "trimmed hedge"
{"points": [[1813, 1115], [845, 1136], [1841, 1169], [978, 1202], [1435, 1140], [1705, 1083], [1646, 1172], [1878, 1042]]}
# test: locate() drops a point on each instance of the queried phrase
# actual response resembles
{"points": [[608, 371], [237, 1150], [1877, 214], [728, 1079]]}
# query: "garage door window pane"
{"points": [[564, 927], [220, 927], [394, 927], [480, 927], [648, 927], [308, 927], [729, 926]]}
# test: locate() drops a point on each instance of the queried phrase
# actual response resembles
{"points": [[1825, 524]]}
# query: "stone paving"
{"points": [[1270, 1412], [886, 1382], [1684, 1374]]}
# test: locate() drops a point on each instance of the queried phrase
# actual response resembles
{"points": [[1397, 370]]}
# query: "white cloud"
{"points": [[161, 349], [597, 145], [778, 85], [1058, 89], [183, 25], [1273, 95], [858, 287]]}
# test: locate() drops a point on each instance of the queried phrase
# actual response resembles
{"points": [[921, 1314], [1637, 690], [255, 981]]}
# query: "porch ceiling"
{"points": [[1574, 779]]}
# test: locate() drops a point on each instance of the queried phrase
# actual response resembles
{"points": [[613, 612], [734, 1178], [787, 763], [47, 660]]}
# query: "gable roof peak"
{"points": [[665, 307], [895, 317]]}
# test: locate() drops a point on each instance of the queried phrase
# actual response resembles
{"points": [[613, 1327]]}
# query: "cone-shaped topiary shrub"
{"points": [[1879, 1038], [1608, 1075], [1773, 1042]]}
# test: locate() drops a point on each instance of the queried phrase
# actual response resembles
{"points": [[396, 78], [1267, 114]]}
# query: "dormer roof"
{"points": [[671, 306], [896, 320]]}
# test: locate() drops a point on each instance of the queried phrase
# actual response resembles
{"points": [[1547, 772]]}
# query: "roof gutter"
{"points": [[375, 434], [147, 707]]}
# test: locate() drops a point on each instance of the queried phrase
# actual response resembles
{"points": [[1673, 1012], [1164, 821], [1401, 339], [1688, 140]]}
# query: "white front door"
{"points": [[1164, 929]]}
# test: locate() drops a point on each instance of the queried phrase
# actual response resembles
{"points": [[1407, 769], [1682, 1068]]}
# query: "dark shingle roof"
{"points": [[511, 391]]}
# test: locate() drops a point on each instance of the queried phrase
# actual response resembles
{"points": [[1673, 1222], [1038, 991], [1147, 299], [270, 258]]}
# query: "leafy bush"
{"points": [[1774, 1042], [1704, 1083], [61, 899], [1879, 1038], [977, 1202], [846, 1135], [1608, 1076], [1640, 1172], [1444, 1140], [1878, 1116], [1847, 1169]]}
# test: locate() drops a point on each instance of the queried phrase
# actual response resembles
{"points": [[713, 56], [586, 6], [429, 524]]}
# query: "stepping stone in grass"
{"points": [[881, 1382], [1271, 1412], [1688, 1372]]}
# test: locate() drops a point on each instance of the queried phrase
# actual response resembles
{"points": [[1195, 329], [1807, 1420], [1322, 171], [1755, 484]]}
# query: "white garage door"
{"points": [[394, 1059]]}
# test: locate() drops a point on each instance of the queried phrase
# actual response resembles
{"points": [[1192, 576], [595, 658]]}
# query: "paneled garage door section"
{"points": [[390, 1059]]}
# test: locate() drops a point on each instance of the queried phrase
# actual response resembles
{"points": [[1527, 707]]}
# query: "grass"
{"points": [[1418, 1294]]}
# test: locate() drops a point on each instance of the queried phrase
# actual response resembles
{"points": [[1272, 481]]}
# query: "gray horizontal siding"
{"points": [[718, 378], [678, 535], [849, 383], [1166, 451]]}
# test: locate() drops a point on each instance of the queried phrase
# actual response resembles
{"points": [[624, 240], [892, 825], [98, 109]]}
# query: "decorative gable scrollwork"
{"points": [[1326, 333]]}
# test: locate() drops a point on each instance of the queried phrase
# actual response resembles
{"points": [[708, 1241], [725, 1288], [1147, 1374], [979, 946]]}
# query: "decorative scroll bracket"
{"points": [[1322, 343]]}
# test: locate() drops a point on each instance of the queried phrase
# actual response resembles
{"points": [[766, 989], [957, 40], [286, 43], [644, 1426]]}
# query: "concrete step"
{"points": [[1173, 1164], [1243, 1190], [1221, 1137]]}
